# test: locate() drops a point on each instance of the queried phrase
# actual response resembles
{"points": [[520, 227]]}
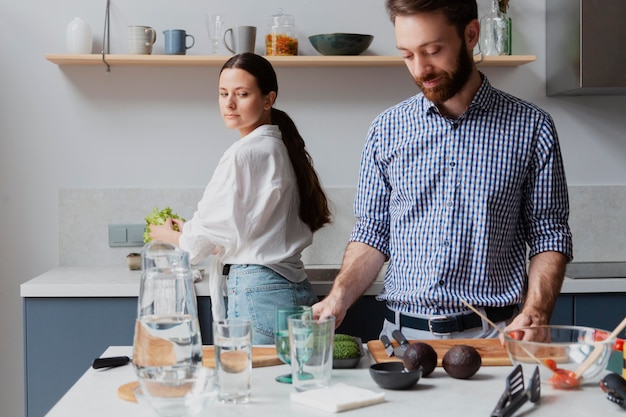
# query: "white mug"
{"points": [[141, 39]]}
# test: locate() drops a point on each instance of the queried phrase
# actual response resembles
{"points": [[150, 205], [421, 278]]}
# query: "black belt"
{"points": [[226, 269], [444, 324]]}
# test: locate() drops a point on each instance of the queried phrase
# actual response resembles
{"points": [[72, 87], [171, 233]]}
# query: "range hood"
{"points": [[585, 47]]}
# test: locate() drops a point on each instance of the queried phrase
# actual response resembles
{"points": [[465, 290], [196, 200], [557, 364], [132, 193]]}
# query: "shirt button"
{"points": [[441, 282], [452, 163], [446, 243], [455, 126], [449, 203]]}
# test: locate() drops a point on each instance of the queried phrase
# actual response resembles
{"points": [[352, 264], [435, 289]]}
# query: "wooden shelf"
{"points": [[278, 61]]}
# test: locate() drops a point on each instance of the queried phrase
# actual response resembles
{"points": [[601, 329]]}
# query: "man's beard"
{"points": [[450, 84]]}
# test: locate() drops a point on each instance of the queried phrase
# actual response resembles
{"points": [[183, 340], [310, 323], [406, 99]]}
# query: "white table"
{"points": [[95, 395]]}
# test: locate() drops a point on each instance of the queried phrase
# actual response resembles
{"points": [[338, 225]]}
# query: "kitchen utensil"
{"points": [[492, 324], [387, 344], [515, 395], [341, 43], [112, 362], [491, 350], [615, 388], [562, 349], [393, 375], [403, 343], [167, 341]]}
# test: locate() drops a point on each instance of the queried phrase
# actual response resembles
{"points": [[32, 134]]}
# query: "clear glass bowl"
{"points": [[565, 347]]}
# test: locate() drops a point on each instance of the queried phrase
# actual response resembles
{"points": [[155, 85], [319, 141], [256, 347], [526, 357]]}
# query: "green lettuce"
{"points": [[158, 217]]}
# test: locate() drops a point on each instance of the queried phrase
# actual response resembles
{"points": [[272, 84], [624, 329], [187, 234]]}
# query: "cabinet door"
{"points": [[62, 336], [604, 311], [563, 313]]}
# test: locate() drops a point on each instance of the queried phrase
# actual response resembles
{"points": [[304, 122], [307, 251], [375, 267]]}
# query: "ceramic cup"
{"points": [[176, 41], [240, 39], [141, 39]]}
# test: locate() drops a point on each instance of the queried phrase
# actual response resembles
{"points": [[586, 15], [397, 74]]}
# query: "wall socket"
{"points": [[126, 235]]}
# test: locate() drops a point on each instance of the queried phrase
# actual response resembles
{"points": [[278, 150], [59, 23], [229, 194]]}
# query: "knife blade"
{"points": [[403, 343], [111, 362], [387, 344]]}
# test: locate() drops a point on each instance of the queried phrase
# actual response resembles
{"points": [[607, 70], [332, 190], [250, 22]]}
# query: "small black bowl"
{"points": [[393, 375]]}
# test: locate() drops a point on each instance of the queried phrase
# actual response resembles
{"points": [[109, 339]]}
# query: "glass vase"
{"points": [[495, 32]]}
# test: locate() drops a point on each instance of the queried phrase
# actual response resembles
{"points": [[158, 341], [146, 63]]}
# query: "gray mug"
{"points": [[176, 41], [242, 39]]}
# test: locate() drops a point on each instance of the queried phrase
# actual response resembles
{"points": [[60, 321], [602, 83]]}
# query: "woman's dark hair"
{"points": [[458, 12], [314, 209]]}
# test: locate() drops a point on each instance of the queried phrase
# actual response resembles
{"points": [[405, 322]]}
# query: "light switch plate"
{"points": [[130, 235]]}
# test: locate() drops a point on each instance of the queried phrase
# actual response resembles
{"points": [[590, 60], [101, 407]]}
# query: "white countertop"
{"points": [[121, 282], [95, 395]]}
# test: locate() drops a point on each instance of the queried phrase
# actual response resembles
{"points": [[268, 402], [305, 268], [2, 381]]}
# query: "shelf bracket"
{"points": [[106, 37]]}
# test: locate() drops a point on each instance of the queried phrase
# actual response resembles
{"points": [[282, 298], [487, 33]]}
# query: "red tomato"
{"points": [[563, 379], [550, 363], [619, 345]]}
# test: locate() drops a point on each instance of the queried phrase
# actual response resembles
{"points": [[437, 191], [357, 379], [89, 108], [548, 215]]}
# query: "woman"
{"points": [[260, 209]]}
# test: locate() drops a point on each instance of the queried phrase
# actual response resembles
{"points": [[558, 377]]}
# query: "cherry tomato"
{"points": [[563, 379], [551, 363], [619, 345]]}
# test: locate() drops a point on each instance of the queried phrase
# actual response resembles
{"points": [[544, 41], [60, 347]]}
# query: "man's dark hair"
{"points": [[458, 12]]}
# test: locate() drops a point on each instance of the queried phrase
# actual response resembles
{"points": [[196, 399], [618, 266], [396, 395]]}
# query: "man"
{"points": [[457, 186]]}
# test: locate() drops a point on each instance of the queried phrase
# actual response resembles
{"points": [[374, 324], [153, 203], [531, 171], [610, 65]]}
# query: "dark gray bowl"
{"points": [[392, 375], [341, 43]]}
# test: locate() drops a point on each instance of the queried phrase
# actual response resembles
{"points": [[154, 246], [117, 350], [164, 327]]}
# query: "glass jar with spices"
{"points": [[281, 38]]}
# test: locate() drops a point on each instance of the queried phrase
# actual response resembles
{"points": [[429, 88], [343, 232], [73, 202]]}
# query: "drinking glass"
{"points": [[233, 359], [167, 344], [282, 335], [215, 28], [311, 342]]}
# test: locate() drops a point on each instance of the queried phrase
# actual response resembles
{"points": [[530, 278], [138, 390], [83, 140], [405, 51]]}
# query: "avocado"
{"points": [[420, 354], [461, 361]]}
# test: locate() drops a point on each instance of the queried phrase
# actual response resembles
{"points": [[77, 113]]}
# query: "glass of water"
{"points": [[167, 344], [282, 335], [215, 28], [233, 359]]}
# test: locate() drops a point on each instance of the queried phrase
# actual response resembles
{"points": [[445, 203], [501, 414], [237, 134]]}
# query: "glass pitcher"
{"points": [[167, 343]]}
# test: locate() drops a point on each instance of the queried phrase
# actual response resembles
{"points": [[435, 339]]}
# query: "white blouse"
{"points": [[249, 213]]}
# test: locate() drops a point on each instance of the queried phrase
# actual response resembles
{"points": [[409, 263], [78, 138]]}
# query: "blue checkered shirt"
{"points": [[458, 205]]}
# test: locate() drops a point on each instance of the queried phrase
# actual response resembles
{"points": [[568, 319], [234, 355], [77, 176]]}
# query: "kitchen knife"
{"points": [[403, 343], [111, 362], [387, 344]]}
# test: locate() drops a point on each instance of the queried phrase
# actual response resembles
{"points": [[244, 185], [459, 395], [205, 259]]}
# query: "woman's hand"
{"points": [[166, 232]]}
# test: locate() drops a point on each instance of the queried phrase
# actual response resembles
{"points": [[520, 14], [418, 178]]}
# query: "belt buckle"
{"points": [[435, 319]]}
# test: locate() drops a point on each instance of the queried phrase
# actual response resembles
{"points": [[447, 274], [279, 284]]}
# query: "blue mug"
{"points": [[176, 41]]}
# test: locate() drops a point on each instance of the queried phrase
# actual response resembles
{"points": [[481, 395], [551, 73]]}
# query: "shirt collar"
{"points": [[482, 100]]}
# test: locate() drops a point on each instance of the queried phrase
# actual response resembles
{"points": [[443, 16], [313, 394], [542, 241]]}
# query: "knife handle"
{"points": [[112, 362], [397, 334], [385, 340]]}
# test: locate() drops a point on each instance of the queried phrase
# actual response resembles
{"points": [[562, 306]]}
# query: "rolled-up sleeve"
{"points": [[546, 210]]}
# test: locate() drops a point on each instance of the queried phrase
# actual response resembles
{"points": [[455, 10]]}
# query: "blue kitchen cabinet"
{"points": [[604, 311], [62, 336]]}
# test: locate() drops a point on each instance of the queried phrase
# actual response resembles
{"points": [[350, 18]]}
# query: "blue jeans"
{"points": [[254, 292]]}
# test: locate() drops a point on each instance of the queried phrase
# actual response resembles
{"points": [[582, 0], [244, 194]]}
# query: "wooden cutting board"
{"points": [[261, 356], [491, 351]]}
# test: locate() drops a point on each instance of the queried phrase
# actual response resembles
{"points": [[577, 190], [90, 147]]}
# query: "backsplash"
{"points": [[597, 219]]}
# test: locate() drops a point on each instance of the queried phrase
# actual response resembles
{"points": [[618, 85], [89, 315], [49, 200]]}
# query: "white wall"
{"points": [[75, 127]]}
